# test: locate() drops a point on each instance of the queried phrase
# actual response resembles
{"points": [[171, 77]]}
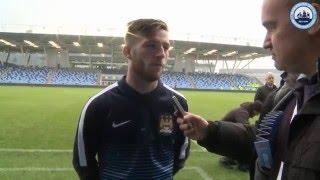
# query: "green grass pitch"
{"points": [[46, 118]]}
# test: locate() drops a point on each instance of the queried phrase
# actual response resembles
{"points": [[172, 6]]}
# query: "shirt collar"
{"points": [[127, 89]]}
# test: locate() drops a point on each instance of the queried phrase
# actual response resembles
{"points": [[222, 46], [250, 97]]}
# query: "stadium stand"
{"points": [[23, 75], [73, 77], [85, 77], [45, 75], [209, 81], [176, 80]]}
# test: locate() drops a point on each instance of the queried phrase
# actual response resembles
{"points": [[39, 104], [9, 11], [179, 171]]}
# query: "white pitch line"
{"points": [[36, 169], [36, 150], [60, 150], [197, 150], [200, 171]]}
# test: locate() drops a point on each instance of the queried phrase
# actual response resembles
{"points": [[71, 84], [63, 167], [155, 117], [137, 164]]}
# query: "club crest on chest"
{"points": [[166, 124]]}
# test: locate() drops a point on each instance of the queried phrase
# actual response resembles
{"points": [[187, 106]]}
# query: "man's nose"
{"points": [[267, 42], [161, 52]]}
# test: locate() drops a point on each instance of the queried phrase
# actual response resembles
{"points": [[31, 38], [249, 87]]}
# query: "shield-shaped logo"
{"points": [[166, 124]]}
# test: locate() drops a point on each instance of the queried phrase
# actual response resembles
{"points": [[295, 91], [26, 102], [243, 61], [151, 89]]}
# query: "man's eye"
{"points": [[151, 46], [271, 27], [165, 47]]}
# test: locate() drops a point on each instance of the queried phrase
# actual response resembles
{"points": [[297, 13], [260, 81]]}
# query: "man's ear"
{"points": [[126, 51], [315, 29]]}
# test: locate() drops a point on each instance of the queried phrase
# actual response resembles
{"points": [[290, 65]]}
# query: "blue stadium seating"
{"points": [[23, 75], [64, 76], [73, 77], [30, 75], [176, 80], [208, 81]]}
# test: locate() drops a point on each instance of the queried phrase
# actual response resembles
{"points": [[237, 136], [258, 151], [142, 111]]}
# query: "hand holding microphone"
{"points": [[193, 126]]}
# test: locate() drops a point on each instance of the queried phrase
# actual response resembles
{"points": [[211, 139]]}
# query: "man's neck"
{"points": [[311, 67], [140, 85]]}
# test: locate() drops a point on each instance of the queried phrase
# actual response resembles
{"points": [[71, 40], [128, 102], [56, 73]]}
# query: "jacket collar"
{"points": [[129, 91], [312, 88], [312, 106]]}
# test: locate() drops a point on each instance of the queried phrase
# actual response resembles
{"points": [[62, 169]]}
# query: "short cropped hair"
{"points": [[142, 28]]}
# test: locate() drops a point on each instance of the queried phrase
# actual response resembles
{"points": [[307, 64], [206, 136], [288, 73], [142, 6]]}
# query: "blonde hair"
{"points": [[142, 28]]}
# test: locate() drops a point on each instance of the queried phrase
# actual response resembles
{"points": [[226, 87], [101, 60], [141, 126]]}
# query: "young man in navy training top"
{"points": [[128, 130]]}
